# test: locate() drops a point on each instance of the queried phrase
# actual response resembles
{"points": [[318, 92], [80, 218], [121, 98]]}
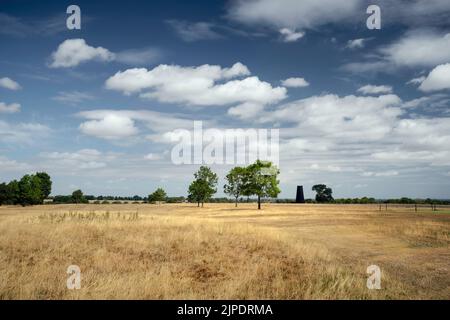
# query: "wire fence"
{"points": [[413, 207]]}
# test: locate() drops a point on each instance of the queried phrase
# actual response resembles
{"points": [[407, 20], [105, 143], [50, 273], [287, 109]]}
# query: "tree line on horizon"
{"points": [[241, 184], [31, 189]]}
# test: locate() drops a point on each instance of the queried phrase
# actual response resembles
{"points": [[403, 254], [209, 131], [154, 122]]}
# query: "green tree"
{"points": [[78, 197], [46, 184], [13, 192], [236, 182], [323, 193], [261, 180], [30, 190], [62, 199], [195, 192], [158, 195], [3, 194], [204, 185]]}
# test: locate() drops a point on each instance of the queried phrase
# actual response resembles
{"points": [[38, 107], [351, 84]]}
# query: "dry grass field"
{"points": [[179, 251]]}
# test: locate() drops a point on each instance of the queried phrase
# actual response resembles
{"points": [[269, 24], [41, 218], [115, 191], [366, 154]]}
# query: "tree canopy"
{"points": [[236, 182], [78, 197], [30, 190], [259, 179], [46, 184], [204, 185], [3, 193], [262, 180], [323, 193], [158, 195]]}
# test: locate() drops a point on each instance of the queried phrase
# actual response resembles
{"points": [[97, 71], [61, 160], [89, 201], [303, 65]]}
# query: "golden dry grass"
{"points": [[139, 251]]}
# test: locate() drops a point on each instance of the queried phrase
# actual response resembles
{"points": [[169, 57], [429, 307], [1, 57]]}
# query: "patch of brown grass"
{"points": [[182, 252]]}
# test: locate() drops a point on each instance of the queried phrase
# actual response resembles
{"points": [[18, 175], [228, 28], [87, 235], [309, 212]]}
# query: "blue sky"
{"points": [[364, 111]]}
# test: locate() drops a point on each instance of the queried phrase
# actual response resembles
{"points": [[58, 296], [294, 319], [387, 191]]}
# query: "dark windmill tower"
{"points": [[300, 197]]}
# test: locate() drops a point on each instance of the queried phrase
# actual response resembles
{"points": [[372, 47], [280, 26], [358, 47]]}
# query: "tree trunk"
{"points": [[235, 204], [198, 203], [259, 202], [202, 204]]}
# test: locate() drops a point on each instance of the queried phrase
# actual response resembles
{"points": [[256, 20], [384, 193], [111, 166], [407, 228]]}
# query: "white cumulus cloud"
{"points": [[9, 83], [295, 82], [438, 79], [349, 118], [311, 14], [197, 86], [420, 48], [116, 125], [289, 35], [417, 48], [73, 52], [9, 108], [292, 13], [371, 89], [417, 80], [356, 43], [112, 126]]}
